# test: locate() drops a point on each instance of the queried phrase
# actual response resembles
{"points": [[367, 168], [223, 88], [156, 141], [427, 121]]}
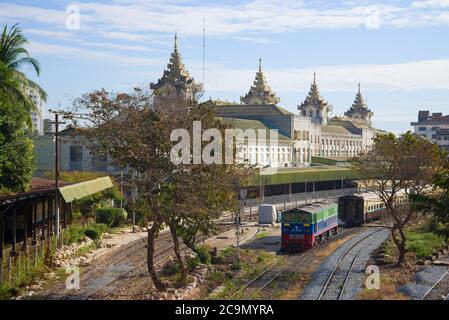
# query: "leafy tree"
{"points": [[396, 166], [13, 57], [135, 130], [437, 201], [16, 153]]}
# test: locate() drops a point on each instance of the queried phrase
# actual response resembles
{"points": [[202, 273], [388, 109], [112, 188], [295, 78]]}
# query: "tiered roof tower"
{"points": [[315, 106], [176, 77], [359, 109], [260, 92]]}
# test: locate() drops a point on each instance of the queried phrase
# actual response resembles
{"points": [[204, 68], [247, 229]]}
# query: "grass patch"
{"points": [[262, 234], [233, 276], [423, 243]]}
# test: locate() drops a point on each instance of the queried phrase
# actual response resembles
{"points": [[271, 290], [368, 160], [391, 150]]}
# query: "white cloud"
{"points": [[430, 4], [37, 47], [139, 20], [410, 76]]}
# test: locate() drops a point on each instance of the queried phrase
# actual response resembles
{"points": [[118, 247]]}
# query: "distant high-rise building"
{"points": [[37, 116], [48, 126], [434, 127]]}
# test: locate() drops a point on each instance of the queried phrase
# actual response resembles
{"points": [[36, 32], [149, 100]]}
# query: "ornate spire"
{"points": [[260, 92], [314, 105], [176, 76], [359, 109]]}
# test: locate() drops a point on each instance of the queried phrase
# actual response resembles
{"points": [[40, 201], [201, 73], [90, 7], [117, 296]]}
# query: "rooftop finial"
{"points": [[260, 64], [176, 42]]}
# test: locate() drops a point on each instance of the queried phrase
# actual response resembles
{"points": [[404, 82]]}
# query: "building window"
{"points": [[76, 158], [422, 128]]}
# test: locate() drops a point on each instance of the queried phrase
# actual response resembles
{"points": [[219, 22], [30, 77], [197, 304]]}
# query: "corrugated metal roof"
{"points": [[84, 189]]}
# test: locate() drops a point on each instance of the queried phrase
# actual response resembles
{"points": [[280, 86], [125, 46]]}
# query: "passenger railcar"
{"points": [[307, 225], [359, 208]]}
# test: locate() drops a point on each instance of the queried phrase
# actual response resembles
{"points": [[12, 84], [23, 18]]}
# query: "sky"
{"points": [[397, 50]]}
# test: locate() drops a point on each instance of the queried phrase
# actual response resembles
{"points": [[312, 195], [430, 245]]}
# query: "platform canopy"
{"points": [[83, 189], [301, 175]]}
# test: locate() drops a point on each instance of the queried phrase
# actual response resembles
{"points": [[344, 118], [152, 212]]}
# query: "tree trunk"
{"points": [[400, 243], [176, 248], [160, 286]]}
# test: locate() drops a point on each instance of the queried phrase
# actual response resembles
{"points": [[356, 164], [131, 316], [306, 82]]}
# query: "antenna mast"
{"points": [[204, 51]]}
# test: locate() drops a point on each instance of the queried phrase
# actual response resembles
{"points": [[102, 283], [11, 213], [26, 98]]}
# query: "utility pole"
{"points": [[57, 200], [121, 188], [241, 198], [134, 208]]}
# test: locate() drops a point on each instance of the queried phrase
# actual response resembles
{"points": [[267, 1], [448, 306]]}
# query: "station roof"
{"points": [[306, 174], [84, 189], [245, 124]]}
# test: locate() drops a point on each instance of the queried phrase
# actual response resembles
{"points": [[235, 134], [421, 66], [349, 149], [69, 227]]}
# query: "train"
{"points": [[307, 225], [364, 207]]}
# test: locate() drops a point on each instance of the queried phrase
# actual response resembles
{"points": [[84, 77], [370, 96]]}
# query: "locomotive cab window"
{"points": [[298, 216]]}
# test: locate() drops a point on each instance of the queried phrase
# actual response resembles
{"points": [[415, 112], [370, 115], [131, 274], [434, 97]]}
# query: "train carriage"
{"points": [[357, 209], [307, 225]]}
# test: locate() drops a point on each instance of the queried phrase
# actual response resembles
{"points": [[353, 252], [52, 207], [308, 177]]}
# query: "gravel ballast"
{"points": [[355, 281]]}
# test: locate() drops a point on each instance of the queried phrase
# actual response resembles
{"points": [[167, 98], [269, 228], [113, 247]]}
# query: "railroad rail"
{"points": [[434, 290], [349, 272], [253, 287], [134, 251]]}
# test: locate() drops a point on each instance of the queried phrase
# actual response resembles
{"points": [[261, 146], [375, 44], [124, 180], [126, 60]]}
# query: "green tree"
{"points": [[135, 130], [14, 56], [396, 166], [437, 201], [16, 153]]}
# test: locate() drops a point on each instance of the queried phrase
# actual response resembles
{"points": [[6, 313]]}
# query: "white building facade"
{"points": [[37, 116]]}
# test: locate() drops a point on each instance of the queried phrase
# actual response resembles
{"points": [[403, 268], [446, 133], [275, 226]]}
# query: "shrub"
{"points": [[120, 218], [112, 217], [217, 260], [76, 215], [75, 233], [192, 263], [96, 231], [203, 254], [236, 266]]}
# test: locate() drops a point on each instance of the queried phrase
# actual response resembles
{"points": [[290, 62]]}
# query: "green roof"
{"points": [[308, 174], [335, 129], [243, 109], [245, 124], [84, 189]]}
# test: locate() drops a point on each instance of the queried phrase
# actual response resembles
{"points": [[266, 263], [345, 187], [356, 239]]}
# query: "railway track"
{"points": [[339, 280], [439, 290], [251, 289], [119, 268], [92, 275]]}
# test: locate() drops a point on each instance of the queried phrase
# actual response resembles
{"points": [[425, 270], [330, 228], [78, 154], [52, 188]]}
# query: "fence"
{"points": [[288, 201]]}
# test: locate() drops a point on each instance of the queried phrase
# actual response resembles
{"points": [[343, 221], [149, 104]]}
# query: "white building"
{"points": [[434, 127], [37, 116], [311, 133]]}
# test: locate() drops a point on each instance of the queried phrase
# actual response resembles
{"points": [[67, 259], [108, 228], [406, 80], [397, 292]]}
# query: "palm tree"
{"points": [[14, 56], [11, 89]]}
